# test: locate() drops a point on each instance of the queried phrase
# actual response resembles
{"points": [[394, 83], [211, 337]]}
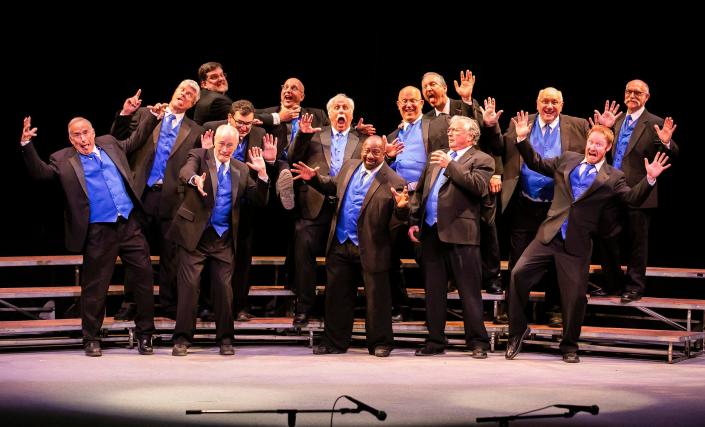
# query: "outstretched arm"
{"points": [[36, 167]]}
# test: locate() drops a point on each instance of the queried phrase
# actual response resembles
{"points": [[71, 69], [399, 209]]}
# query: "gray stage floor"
{"points": [[63, 387]]}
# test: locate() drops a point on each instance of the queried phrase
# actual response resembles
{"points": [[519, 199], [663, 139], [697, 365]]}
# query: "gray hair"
{"points": [[347, 99], [470, 126], [194, 85]]}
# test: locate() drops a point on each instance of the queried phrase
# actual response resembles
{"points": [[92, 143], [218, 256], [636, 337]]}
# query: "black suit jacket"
{"points": [[584, 213], [644, 143], [193, 216], [573, 138], [379, 218], [314, 150], [459, 198], [189, 137], [66, 166], [211, 106], [282, 131]]}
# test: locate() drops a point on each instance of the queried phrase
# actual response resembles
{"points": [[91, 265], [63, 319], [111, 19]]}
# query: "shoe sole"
{"points": [[285, 189]]}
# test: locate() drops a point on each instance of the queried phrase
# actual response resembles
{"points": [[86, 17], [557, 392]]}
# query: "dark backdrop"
{"points": [[67, 75]]}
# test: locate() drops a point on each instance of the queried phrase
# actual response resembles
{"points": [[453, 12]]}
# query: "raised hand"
{"points": [[365, 129], [158, 109], [306, 124], [490, 115], [289, 114], [521, 125], [666, 132], [401, 198], [394, 149], [198, 182], [270, 147], [413, 232], [207, 139], [464, 89], [131, 104], [654, 169], [28, 132], [441, 158], [609, 116], [256, 162], [303, 171]]}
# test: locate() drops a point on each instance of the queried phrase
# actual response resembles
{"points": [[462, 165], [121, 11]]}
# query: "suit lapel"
{"points": [[566, 176], [380, 177], [184, 130], [343, 187], [78, 168], [639, 129], [234, 183], [326, 142], [425, 123], [212, 171], [351, 145], [114, 157]]}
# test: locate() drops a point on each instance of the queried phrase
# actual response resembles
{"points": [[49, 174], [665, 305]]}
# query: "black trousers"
{"points": [[104, 243], [635, 230], [343, 268], [217, 251], [440, 261], [155, 228], [572, 272], [310, 236]]}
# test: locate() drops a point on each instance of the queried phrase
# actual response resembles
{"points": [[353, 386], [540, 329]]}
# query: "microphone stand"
{"points": [[504, 421], [291, 413]]}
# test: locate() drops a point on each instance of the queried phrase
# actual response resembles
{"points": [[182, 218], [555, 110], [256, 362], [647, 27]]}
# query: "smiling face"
{"points": [[216, 80], [340, 112], [242, 122], [599, 142], [549, 104], [409, 103], [372, 152], [226, 140], [82, 135]]}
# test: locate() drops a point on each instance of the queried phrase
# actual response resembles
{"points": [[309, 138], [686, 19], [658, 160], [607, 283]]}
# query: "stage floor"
{"points": [[62, 387]]}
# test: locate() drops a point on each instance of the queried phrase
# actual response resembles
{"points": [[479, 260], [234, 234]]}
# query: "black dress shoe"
{"points": [[127, 311], [179, 350], [514, 344], [571, 357], [501, 319], [598, 292], [324, 349], [226, 349], [556, 320], [428, 350], [144, 345], [206, 315], [479, 353], [300, 320], [244, 316], [92, 348], [494, 287], [630, 296], [382, 351]]}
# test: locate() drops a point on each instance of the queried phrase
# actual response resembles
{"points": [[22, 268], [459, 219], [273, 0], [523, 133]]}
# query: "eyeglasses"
{"points": [[216, 77], [636, 93], [240, 123], [408, 101], [375, 152], [291, 88]]}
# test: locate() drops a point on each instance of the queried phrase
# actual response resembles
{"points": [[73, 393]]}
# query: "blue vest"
{"points": [[337, 152], [432, 201], [346, 228], [410, 163], [240, 150], [625, 133], [535, 185], [107, 195], [167, 137], [220, 218], [579, 183]]}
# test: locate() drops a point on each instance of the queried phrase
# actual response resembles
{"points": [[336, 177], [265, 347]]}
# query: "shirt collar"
{"points": [[407, 124], [635, 115], [178, 117], [597, 165], [335, 131], [552, 125]]}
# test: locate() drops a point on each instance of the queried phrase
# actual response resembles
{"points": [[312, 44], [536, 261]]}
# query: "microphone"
{"points": [[381, 415], [594, 410]]}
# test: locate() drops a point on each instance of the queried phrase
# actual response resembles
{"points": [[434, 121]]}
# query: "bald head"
{"points": [[225, 141], [292, 93], [409, 103], [82, 135]]}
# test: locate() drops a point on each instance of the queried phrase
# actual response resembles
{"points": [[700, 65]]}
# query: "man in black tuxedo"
{"points": [[326, 148], [214, 104], [584, 184], [638, 135], [242, 118], [156, 167], [203, 229], [445, 219], [101, 207], [366, 218]]}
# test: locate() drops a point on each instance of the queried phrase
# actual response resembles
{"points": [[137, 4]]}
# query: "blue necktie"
{"points": [[547, 132], [167, 137], [579, 185], [625, 135], [294, 128], [629, 120]]}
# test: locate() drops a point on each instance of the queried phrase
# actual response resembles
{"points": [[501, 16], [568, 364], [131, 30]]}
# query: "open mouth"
{"points": [[340, 120]]}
